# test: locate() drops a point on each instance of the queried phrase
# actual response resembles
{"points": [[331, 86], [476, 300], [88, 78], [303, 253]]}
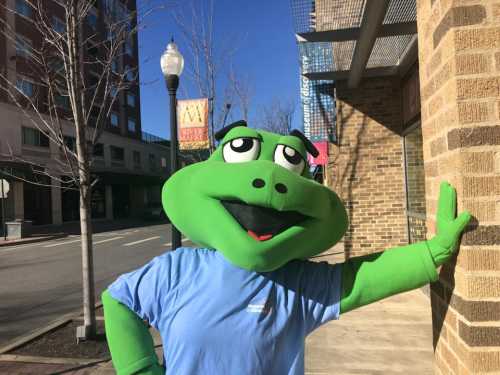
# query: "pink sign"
{"points": [[322, 158]]}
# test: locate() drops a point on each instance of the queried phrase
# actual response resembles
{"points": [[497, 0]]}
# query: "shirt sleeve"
{"points": [[320, 293], [142, 290]]}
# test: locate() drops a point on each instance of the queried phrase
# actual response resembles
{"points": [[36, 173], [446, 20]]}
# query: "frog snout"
{"points": [[259, 183]]}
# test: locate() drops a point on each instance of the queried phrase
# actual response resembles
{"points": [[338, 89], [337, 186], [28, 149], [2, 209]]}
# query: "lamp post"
{"points": [[172, 64]]}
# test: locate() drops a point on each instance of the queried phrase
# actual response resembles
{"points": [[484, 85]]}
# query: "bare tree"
{"points": [[77, 72], [207, 59], [242, 89], [277, 116]]}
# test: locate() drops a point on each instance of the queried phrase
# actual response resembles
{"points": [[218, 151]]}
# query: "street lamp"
{"points": [[172, 64]]}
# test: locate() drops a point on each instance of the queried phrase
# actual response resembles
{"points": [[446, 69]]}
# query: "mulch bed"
{"points": [[61, 343]]}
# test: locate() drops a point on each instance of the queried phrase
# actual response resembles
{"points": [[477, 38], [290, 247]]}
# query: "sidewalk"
{"points": [[393, 336]]}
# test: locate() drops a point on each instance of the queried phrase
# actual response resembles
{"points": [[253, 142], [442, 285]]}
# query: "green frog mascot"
{"points": [[244, 300]]}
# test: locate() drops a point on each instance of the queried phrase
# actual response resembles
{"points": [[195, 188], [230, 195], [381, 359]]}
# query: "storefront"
{"points": [[413, 110]]}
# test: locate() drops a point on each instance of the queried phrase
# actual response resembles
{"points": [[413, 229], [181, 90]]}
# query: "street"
{"points": [[41, 281]]}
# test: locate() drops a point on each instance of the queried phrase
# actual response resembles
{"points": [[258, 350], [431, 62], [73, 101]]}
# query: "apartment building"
{"points": [[128, 165], [417, 101]]}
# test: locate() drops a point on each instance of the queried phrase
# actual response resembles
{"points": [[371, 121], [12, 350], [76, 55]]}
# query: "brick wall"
{"points": [[459, 56], [366, 168]]}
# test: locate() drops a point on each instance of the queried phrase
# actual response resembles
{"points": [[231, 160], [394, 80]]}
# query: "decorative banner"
{"points": [[317, 96], [192, 118], [322, 158]]}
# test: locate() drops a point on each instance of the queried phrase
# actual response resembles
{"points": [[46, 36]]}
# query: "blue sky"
{"points": [[266, 52]]}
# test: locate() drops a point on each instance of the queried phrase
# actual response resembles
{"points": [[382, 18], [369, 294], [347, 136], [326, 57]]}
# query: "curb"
{"points": [[23, 339], [32, 240], [52, 360]]}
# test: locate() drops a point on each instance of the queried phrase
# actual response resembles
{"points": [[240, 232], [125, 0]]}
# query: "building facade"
{"points": [[128, 165], [417, 92]]}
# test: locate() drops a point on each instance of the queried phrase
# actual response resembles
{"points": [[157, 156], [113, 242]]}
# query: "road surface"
{"points": [[41, 281]]}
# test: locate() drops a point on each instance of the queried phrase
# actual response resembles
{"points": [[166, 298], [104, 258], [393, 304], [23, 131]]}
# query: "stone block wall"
{"points": [[366, 165], [459, 57]]}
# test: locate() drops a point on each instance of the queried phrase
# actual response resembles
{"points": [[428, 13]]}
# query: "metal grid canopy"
{"points": [[368, 38]]}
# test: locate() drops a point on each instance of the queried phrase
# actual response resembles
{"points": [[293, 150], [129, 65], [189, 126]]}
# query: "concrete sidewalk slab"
{"points": [[393, 336]]}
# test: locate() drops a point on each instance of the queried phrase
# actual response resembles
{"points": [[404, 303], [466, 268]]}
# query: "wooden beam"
{"points": [[342, 35], [373, 16]]}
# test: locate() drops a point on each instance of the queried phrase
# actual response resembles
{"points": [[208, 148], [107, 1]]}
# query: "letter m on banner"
{"points": [[192, 117]]}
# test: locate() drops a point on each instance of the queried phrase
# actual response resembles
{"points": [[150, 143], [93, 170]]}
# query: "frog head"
{"points": [[255, 201]]}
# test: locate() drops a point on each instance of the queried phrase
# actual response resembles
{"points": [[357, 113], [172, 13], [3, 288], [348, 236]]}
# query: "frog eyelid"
{"points": [[241, 133], [292, 147]]}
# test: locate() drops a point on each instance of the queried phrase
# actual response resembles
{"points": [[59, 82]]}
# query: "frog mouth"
{"points": [[262, 223]]}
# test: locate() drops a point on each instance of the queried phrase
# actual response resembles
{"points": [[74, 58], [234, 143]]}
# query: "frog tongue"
{"points": [[261, 237]]}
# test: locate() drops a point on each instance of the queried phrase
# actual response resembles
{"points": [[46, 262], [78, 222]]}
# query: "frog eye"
{"points": [[239, 150], [289, 158]]}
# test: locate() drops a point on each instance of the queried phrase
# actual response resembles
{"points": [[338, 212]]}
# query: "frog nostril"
{"points": [[281, 188], [258, 183]]}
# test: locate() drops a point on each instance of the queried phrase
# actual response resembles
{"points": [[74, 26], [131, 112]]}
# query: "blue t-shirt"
{"points": [[216, 318]]}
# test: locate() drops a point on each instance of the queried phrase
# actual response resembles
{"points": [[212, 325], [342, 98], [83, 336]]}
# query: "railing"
{"points": [[151, 138]]}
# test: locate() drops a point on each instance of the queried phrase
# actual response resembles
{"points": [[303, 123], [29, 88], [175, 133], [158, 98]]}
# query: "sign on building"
{"points": [[317, 96], [322, 158], [193, 124]]}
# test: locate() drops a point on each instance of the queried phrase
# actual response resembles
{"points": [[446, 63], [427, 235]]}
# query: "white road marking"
{"points": [[61, 243], [108, 239], [170, 243], [141, 241]]}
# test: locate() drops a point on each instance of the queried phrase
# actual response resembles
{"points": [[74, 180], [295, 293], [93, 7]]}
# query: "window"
{"points": [[61, 101], [117, 153], [93, 78], [115, 67], [137, 159], [152, 162], [92, 18], [98, 150], [58, 25], [24, 46], [110, 33], [129, 47], [25, 86], [131, 125], [114, 119], [130, 73], [70, 143], [131, 100], [56, 65], [163, 162], [93, 49], [34, 137], [24, 9], [415, 183], [114, 92]]}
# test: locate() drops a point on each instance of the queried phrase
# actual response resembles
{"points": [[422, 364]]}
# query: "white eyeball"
{"points": [[289, 158], [240, 150]]}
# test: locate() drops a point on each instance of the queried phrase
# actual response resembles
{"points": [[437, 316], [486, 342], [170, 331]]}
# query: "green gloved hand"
{"points": [[449, 227]]}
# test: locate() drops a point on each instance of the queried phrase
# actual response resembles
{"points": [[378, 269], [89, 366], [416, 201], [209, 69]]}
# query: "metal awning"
{"points": [[368, 38]]}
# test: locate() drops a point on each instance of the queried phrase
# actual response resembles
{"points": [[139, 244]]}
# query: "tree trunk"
{"points": [[77, 97], [89, 322]]}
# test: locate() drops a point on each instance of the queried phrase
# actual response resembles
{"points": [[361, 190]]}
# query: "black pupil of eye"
{"points": [[295, 158], [241, 144]]}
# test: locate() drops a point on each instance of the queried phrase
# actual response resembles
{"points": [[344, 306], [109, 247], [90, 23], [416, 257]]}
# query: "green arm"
{"points": [[373, 277], [129, 340]]}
